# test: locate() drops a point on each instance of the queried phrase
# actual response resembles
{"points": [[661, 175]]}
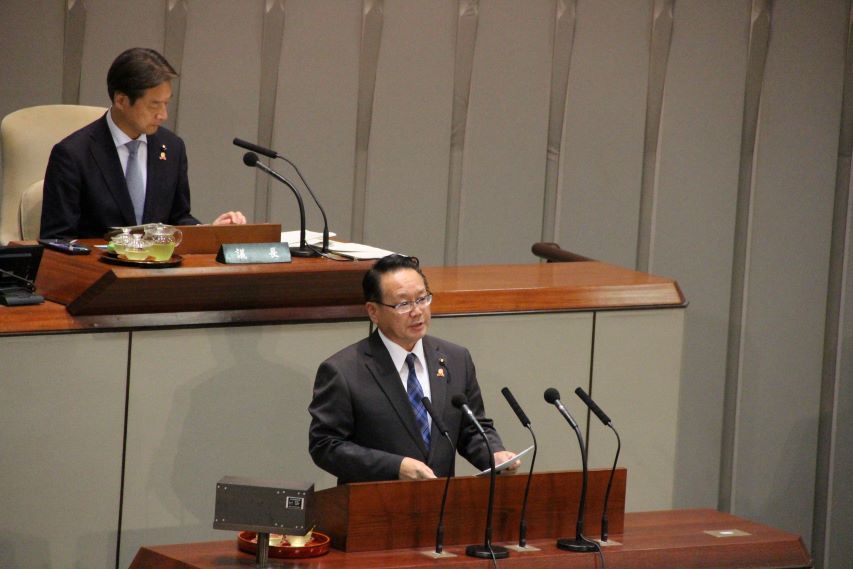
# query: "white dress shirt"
{"points": [[398, 356], [120, 138]]}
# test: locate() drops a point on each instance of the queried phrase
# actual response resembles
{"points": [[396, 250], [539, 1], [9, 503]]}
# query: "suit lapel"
{"points": [[106, 157], [381, 367], [438, 380], [438, 373], [155, 173]]}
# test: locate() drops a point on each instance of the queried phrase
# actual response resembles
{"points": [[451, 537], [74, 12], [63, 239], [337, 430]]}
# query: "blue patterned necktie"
{"points": [[416, 395], [135, 184]]}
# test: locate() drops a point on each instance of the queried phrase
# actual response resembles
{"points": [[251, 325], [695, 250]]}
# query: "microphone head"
{"points": [[552, 395], [459, 400], [583, 395], [519, 412], [250, 159]]}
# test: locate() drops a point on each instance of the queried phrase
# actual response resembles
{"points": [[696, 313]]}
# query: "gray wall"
{"points": [[706, 141]]}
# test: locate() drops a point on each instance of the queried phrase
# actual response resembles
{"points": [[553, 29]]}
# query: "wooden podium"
{"points": [[374, 516]]}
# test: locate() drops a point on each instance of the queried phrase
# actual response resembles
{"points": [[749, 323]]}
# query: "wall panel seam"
{"points": [[74, 29], [371, 39], [272, 39], [661, 42], [834, 325], [759, 39], [463, 64], [565, 20]]}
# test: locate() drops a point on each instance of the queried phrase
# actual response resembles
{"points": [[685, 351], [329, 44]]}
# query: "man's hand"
{"points": [[505, 455], [230, 218], [411, 469]]}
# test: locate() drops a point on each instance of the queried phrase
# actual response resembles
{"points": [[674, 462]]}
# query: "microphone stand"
{"points": [[487, 550], [579, 543], [602, 416], [525, 422], [522, 524], [251, 159], [604, 534], [273, 154], [439, 530], [316, 201]]}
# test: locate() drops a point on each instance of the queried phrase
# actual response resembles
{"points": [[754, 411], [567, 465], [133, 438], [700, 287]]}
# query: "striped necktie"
{"points": [[416, 395]]}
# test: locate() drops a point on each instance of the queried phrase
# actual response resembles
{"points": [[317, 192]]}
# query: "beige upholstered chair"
{"points": [[28, 135]]}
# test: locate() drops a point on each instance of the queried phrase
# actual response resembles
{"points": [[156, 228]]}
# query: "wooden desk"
{"points": [[197, 293], [660, 540]]}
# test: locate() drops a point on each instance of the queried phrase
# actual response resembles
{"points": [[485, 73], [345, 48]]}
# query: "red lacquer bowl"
{"points": [[318, 545]]}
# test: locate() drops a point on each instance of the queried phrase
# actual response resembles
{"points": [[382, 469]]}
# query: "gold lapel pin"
{"points": [[440, 372], [163, 152]]}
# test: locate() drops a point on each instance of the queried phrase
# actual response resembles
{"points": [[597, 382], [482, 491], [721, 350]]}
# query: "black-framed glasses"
{"points": [[408, 305]]}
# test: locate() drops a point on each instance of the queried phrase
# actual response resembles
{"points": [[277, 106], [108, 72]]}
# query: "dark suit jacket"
{"points": [[362, 424], [85, 192]]}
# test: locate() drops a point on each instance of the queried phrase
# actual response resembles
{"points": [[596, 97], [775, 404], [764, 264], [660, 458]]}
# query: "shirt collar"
{"points": [[398, 354], [120, 138]]}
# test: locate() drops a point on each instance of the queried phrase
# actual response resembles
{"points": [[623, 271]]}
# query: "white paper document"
{"points": [[357, 251], [505, 464], [311, 237]]}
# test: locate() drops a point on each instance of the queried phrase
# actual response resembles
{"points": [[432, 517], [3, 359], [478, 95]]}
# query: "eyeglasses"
{"points": [[408, 305]]}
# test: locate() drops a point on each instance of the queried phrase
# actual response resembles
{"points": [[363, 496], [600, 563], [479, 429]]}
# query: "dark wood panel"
{"points": [[401, 514], [651, 540]]}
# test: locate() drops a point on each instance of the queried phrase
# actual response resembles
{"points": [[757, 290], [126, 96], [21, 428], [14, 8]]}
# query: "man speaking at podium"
{"points": [[123, 169], [367, 422]]}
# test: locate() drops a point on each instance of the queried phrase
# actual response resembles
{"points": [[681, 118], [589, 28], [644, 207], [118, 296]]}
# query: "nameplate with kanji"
{"points": [[246, 253]]}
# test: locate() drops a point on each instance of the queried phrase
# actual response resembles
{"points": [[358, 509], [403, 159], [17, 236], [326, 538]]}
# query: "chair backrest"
{"points": [[28, 135]]}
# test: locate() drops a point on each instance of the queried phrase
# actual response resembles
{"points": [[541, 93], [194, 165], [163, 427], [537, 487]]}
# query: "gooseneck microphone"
{"points": [[579, 543], [487, 550], [522, 416], [273, 154], [439, 424], [255, 148], [251, 159], [602, 416]]}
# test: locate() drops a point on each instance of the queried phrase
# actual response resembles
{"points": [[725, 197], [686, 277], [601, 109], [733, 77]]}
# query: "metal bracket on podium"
{"points": [[262, 506]]}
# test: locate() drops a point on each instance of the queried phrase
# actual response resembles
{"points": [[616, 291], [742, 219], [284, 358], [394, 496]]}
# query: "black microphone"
{"points": [[552, 396], [519, 412], [487, 550], [522, 416], [607, 423], [251, 159], [273, 154], [255, 148], [602, 416], [579, 543], [436, 420]]}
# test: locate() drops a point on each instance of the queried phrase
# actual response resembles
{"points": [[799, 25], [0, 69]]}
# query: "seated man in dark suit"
{"points": [[122, 169], [366, 424]]}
